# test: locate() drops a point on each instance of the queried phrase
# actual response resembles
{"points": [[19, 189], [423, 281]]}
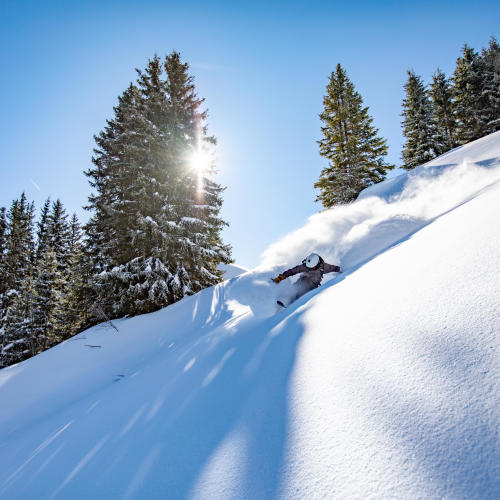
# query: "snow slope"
{"points": [[383, 383], [232, 270]]}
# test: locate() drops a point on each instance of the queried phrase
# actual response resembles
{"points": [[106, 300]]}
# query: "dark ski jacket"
{"points": [[314, 275]]}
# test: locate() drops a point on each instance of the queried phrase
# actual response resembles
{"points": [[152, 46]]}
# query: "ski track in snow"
{"points": [[383, 383]]}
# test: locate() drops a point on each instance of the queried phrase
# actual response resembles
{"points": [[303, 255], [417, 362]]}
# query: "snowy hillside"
{"points": [[383, 383], [232, 270]]}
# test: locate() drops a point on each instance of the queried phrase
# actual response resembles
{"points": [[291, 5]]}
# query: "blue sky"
{"points": [[262, 68]]}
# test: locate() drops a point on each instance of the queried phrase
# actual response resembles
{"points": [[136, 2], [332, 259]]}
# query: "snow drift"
{"points": [[386, 212], [384, 383], [232, 270]]}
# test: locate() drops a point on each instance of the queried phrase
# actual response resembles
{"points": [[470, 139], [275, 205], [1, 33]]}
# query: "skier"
{"points": [[312, 268]]}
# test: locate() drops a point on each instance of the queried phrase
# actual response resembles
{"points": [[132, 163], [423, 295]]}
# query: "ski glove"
{"points": [[278, 278]]}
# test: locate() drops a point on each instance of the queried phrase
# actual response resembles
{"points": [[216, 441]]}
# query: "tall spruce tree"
{"points": [[490, 58], [418, 124], [60, 244], [198, 198], [3, 275], [468, 96], [116, 160], [444, 117], [71, 315], [44, 301], [3, 229], [42, 233], [350, 144], [142, 207], [83, 282], [18, 341], [129, 178], [3, 235], [15, 287], [17, 263], [59, 236]]}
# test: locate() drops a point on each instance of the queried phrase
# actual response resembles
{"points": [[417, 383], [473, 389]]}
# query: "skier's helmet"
{"points": [[312, 260]]}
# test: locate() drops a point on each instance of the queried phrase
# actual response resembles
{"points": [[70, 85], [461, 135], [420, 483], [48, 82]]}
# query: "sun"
{"points": [[200, 160]]}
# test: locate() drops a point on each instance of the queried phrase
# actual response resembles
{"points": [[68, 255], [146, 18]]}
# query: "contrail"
{"points": [[35, 184]]}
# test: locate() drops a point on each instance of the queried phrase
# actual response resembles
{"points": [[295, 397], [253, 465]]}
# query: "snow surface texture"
{"points": [[384, 383], [232, 270]]}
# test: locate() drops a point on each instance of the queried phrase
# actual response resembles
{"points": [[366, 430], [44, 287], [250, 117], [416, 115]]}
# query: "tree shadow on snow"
{"points": [[239, 388]]}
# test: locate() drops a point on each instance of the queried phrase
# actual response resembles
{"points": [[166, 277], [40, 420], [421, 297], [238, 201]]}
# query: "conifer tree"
{"points": [[56, 280], [15, 287], [18, 342], [468, 97], [83, 283], [198, 198], [143, 205], [3, 235], [71, 314], [350, 144], [418, 124], [17, 262], [42, 237], [44, 301], [75, 235], [59, 236], [444, 118], [129, 179], [3, 275], [490, 58], [3, 230]]}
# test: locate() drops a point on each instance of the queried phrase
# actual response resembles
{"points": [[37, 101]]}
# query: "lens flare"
{"points": [[200, 161]]}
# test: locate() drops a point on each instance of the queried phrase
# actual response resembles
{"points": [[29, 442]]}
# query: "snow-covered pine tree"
{"points": [[468, 98], [111, 164], [71, 315], [3, 277], [17, 262], [350, 144], [59, 237], [3, 235], [140, 176], [418, 124], [17, 269], [60, 242], [490, 58], [83, 280], [198, 199], [18, 341], [42, 239], [126, 239], [44, 301], [211, 250], [442, 108], [3, 229]]}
